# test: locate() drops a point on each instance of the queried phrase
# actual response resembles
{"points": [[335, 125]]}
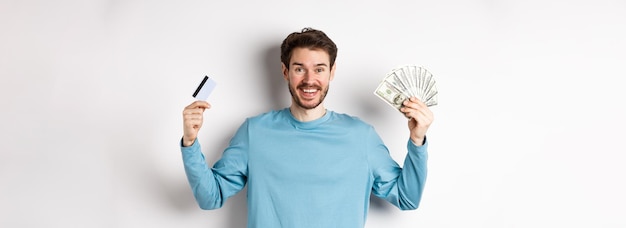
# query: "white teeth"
{"points": [[309, 90]]}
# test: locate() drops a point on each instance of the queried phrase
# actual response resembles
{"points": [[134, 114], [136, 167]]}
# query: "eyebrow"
{"points": [[302, 64]]}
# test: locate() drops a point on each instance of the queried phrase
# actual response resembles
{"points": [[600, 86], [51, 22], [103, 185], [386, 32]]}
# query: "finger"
{"points": [[195, 111], [415, 102], [409, 103], [423, 119], [413, 114], [197, 107], [199, 104], [412, 108], [192, 116], [192, 123]]}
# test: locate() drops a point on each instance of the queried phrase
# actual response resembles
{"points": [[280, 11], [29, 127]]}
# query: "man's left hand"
{"points": [[420, 118]]}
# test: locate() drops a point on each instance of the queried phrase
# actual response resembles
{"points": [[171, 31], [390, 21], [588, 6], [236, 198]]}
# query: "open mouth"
{"points": [[309, 92]]}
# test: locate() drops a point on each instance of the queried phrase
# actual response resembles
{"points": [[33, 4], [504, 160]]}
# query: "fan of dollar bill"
{"points": [[405, 82]]}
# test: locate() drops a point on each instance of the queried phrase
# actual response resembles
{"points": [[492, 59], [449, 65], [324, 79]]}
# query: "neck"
{"points": [[306, 115]]}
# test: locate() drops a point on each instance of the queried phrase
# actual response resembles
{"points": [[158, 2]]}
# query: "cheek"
{"points": [[325, 81], [292, 82], [295, 79]]}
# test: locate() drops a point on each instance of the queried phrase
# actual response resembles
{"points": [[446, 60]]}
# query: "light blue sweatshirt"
{"points": [[307, 174]]}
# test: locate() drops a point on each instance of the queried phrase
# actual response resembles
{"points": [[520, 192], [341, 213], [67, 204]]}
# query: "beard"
{"points": [[294, 95]]}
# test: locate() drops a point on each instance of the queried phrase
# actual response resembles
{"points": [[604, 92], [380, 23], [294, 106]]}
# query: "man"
{"points": [[307, 166]]}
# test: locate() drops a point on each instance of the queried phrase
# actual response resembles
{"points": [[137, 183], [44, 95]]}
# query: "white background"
{"points": [[528, 132]]}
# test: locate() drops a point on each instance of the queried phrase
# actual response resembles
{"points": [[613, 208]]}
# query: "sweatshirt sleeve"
{"points": [[212, 186], [401, 186]]}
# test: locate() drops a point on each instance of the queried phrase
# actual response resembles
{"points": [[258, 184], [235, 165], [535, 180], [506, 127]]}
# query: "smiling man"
{"points": [[305, 165], [308, 74]]}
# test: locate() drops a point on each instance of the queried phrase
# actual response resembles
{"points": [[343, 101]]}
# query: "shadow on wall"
{"points": [[276, 86], [237, 210], [380, 206], [178, 194]]}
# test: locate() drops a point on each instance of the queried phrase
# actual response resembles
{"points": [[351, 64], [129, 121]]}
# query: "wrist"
{"points": [[187, 142], [418, 141]]}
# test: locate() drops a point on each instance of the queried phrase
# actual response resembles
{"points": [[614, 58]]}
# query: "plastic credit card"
{"points": [[204, 89]]}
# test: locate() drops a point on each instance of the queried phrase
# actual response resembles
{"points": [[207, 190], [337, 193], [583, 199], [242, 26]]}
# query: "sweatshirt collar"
{"points": [[308, 124]]}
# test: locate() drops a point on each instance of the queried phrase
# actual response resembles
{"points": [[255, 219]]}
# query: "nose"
{"points": [[307, 77]]}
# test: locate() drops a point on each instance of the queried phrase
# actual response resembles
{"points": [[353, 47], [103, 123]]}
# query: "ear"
{"points": [[332, 72], [285, 71]]}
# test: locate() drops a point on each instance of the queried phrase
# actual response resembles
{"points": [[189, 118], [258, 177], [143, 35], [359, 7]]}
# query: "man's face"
{"points": [[308, 76]]}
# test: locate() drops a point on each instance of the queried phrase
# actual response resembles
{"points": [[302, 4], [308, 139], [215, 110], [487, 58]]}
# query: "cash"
{"points": [[405, 82]]}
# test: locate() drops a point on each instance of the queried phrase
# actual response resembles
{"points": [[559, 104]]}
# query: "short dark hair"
{"points": [[307, 38]]}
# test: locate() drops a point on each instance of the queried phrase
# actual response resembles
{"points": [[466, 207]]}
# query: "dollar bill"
{"points": [[390, 94], [405, 82]]}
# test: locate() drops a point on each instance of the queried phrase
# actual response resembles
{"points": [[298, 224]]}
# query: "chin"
{"points": [[309, 104]]}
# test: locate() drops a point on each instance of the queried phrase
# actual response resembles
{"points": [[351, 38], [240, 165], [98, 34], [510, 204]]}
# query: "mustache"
{"points": [[308, 85]]}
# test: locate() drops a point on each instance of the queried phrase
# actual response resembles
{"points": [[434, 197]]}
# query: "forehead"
{"points": [[309, 57]]}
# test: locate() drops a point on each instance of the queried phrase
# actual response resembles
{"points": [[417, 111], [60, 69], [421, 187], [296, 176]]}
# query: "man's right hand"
{"points": [[192, 121]]}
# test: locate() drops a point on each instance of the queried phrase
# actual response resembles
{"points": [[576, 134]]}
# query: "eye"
{"points": [[319, 70], [299, 70]]}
